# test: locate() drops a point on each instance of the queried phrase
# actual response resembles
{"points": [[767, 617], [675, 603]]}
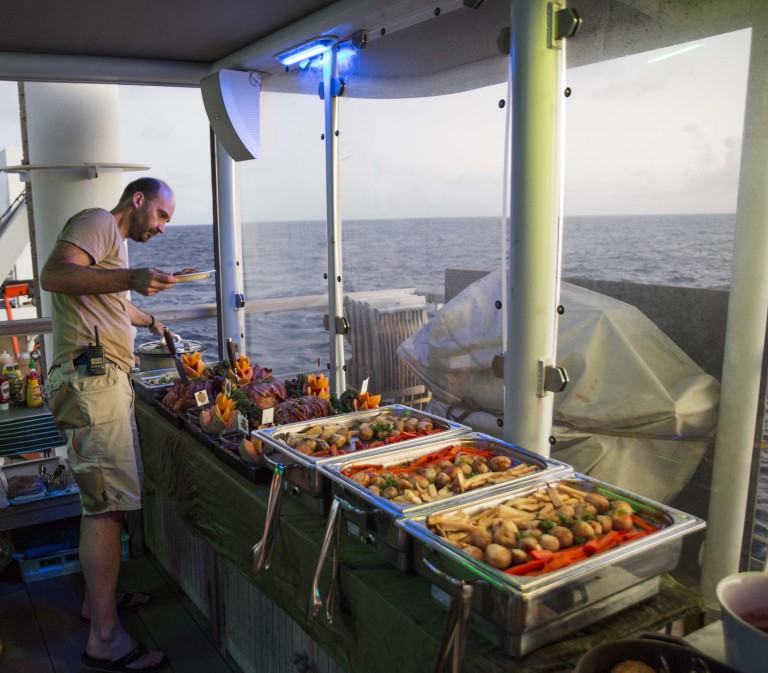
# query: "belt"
{"points": [[82, 359]]}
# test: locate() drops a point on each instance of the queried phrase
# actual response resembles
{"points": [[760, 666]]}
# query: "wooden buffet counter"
{"points": [[201, 520]]}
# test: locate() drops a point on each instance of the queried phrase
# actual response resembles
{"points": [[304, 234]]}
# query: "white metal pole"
{"points": [[744, 335], [70, 124], [333, 222], [230, 249], [535, 214]]}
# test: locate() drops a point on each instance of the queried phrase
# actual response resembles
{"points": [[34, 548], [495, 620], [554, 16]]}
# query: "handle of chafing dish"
{"points": [[333, 526], [315, 599], [262, 550], [454, 638]]}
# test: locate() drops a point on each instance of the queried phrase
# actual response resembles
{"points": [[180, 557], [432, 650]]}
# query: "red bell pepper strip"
{"points": [[541, 554], [524, 568]]}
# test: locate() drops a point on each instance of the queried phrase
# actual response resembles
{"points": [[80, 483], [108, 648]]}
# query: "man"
{"points": [[88, 276]]}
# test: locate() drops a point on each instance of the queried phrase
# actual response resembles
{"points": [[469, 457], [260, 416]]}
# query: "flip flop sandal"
{"points": [[125, 605], [122, 664]]}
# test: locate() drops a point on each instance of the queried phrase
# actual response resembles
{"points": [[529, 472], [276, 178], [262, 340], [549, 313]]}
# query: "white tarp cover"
{"points": [[637, 413]]}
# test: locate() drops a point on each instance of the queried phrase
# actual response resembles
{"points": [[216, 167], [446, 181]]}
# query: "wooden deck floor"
{"points": [[41, 630]]}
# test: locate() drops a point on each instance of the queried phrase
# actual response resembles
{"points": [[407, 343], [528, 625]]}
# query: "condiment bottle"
{"points": [[7, 363], [23, 361], [34, 392], [5, 392], [18, 390]]}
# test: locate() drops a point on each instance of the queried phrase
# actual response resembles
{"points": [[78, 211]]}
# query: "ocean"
{"points": [[284, 259]]}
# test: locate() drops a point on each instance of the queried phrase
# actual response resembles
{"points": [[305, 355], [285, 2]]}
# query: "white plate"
{"points": [[198, 275]]}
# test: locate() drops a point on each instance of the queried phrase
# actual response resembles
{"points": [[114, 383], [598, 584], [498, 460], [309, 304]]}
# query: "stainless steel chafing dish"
{"points": [[150, 384], [300, 472], [522, 613], [371, 517]]}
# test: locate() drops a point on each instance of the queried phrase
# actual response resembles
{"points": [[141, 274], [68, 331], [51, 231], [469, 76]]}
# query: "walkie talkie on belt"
{"points": [[97, 362]]}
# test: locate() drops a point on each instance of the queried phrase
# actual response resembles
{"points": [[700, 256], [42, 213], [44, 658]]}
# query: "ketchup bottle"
{"points": [[5, 392]]}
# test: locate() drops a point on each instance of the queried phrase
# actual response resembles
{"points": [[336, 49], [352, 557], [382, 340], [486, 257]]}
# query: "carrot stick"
{"points": [[642, 523], [524, 568], [561, 561], [472, 451], [610, 539], [636, 534], [541, 554]]}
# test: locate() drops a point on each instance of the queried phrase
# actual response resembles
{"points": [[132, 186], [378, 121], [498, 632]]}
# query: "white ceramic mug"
{"points": [[740, 595]]}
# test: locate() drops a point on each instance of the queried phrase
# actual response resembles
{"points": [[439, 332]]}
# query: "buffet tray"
{"points": [[301, 474], [522, 613], [371, 517], [151, 385]]}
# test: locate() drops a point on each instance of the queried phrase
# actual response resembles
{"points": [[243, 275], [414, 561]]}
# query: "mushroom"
{"points": [[549, 541], [583, 530], [600, 502], [528, 543], [564, 535], [362, 478], [474, 552], [499, 463], [480, 538], [365, 433], [498, 556]]}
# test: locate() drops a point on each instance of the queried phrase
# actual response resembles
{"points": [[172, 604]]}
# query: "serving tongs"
{"points": [[332, 530], [454, 640], [262, 551], [231, 356], [176, 361]]}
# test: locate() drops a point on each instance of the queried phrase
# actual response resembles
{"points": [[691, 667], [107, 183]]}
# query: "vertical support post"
{"points": [[331, 92], [744, 335], [532, 292], [69, 124], [229, 247]]}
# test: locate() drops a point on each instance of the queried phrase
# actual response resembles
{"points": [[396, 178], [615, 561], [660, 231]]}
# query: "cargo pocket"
{"points": [[64, 407], [90, 481], [96, 398]]}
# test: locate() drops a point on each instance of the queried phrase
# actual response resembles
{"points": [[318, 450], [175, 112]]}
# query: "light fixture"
{"points": [[306, 50]]}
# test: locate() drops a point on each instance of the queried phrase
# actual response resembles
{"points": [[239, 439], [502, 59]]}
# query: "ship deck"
{"points": [[41, 630]]}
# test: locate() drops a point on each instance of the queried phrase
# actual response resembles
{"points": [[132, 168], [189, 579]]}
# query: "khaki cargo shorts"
{"points": [[96, 415]]}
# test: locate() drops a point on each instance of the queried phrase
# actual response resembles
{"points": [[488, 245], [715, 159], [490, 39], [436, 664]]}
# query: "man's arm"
{"points": [[141, 318], [68, 271]]}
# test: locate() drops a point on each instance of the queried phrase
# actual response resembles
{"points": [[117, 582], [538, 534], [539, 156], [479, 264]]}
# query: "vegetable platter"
{"points": [[380, 487], [558, 588], [307, 445]]}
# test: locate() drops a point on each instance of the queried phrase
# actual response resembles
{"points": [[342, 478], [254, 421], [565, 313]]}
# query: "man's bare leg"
{"points": [[100, 555]]}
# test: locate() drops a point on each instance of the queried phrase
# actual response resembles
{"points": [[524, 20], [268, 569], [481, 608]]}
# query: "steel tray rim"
{"points": [[552, 469], [308, 462], [681, 524]]}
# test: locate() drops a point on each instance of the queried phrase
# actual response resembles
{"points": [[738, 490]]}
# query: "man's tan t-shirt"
{"points": [[74, 316]]}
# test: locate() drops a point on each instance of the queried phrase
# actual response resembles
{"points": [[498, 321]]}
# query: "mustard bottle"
{"points": [[34, 392]]}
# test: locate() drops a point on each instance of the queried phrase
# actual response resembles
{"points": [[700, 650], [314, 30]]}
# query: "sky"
{"points": [[658, 132]]}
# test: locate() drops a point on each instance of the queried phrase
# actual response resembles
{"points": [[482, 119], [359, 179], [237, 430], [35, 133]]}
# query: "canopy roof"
{"points": [[177, 42]]}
